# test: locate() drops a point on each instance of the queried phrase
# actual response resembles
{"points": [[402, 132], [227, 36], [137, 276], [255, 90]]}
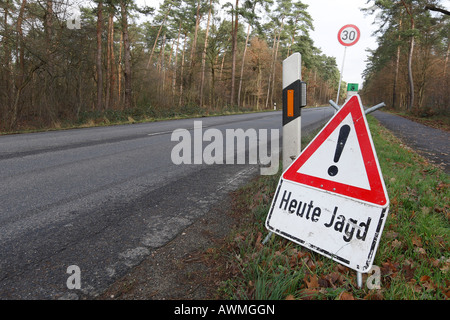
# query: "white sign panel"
{"points": [[332, 198], [349, 35]]}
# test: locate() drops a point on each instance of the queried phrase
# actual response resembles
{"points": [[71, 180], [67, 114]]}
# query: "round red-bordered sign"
{"points": [[348, 35]]}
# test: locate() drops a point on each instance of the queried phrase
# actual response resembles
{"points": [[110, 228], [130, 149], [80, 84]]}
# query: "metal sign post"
{"points": [[340, 76]]}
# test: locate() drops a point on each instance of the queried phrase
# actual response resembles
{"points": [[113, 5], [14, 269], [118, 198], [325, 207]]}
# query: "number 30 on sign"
{"points": [[348, 35]]}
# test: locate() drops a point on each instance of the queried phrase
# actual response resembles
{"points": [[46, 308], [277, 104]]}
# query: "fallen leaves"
{"points": [[333, 280], [346, 296], [408, 270], [442, 186], [396, 244], [446, 264]]}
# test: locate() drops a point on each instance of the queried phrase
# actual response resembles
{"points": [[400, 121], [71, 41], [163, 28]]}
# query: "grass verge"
{"points": [[413, 255], [87, 119]]}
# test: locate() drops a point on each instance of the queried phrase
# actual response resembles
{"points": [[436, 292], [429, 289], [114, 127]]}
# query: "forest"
{"points": [[117, 60], [409, 70]]}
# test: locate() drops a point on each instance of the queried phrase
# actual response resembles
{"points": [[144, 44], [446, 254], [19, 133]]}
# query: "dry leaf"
{"points": [[396, 244], [311, 281], [420, 250], [442, 186], [426, 210], [311, 265], [346, 296], [417, 241], [258, 243], [391, 234], [417, 288], [446, 266], [424, 278], [388, 268], [435, 262], [447, 293], [374, 295], [408, 272]]}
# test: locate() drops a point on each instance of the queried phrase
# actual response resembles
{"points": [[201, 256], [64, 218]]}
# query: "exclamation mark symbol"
{"points": [[343, 135]]}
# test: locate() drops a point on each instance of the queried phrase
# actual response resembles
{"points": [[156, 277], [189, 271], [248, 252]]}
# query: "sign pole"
{"points": [[359, 279], [340, 77]]}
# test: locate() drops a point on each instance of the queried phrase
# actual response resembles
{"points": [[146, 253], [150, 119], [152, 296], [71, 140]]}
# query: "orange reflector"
{"points": [[290, 103]]}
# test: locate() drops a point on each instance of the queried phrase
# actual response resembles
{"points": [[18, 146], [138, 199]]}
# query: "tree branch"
{"points": [[434, 8]]}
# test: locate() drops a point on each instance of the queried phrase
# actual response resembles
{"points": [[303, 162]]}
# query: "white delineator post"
{"points": [[291, 109], [294, 98]]}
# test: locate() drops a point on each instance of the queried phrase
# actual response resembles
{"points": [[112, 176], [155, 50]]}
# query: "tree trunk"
{"points": [[274, 71], [410, 74], [182, 69], [162, 57], [20, 43], [234, 45], [221, 66], [410, 56], [160, 63], [7, 66], [49, 35], [157, 36], [212, 86], [48, 101], [127, 54], [194, 44], [99, 56], [271, 68], [202, 82], [114, 67], [397, 66], [174, 75], [242, 66], [446, 60], [258, 86], [394, 87], [108, 66], [110, 63], [120, 71]]}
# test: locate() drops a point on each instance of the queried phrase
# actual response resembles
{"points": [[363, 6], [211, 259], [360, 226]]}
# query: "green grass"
{"points": [[413, 255]]}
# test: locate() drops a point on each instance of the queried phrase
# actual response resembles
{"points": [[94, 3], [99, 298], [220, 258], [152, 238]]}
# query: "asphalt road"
{"points": [[433, 144], [102, 198]]}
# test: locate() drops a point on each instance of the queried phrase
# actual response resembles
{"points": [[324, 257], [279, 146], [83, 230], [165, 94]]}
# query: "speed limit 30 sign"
{"points": [[348, 35]]}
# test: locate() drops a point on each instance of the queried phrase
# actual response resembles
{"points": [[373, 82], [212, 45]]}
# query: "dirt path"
{"points": [[433, 144]]}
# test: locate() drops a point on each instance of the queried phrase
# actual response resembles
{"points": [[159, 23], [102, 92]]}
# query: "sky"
{"points": [[329, 16]]}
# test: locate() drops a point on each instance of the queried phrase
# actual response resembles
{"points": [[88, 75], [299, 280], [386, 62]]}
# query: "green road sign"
{"points": [[352, 87]]}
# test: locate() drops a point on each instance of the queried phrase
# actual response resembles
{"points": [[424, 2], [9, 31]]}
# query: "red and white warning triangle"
{"points": [[341, 159]]}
